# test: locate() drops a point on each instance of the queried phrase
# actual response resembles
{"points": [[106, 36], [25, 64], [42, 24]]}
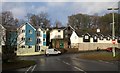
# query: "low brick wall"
{"points": [[68, 50], [30, 51], [72, 50], [93, 46]]}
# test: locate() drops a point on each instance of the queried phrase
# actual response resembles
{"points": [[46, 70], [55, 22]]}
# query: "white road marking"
{"points": [[74, 67], [33, 68], [65, 62], [58, 59], [101, 60], [79, 69], [105, 62], [28, 69]]}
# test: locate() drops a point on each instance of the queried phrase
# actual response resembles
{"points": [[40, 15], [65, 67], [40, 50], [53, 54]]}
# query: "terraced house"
{"points": [[31, 40]]}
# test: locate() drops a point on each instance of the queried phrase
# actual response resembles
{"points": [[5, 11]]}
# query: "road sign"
{"points": [[113, 41]]}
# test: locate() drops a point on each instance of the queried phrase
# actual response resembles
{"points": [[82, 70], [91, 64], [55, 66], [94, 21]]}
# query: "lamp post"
{"points": [[113, 29]]}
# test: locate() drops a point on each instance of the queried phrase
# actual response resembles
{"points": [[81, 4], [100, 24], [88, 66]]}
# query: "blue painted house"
{"points": [[31, 39]]}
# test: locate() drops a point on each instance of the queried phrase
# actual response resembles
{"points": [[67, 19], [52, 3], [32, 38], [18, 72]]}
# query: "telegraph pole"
{"points": [[113, 30]]}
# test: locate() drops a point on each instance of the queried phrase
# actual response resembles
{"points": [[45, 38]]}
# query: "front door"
{"points": [[61, 44]]}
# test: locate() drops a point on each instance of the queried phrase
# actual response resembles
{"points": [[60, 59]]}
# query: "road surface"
{"points": [[69, 62]]}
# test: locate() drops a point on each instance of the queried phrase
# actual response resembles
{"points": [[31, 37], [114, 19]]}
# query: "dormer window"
{"points": [[108, 38], [95, 39], [86, 37], [101, 38]]}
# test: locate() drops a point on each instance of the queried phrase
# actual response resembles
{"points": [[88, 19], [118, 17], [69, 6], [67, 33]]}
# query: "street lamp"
{"points": [[113, 29]]}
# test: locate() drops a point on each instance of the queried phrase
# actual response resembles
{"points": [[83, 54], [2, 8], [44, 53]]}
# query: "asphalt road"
{"points": [[69, 62]]}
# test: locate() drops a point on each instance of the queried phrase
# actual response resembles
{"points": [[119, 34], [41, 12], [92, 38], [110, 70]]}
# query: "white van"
{"points": [[52, 51]]}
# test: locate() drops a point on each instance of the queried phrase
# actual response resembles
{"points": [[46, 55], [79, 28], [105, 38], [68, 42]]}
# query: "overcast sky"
{"points": [[58, 9]]}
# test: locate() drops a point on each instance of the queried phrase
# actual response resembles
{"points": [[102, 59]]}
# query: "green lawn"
{"points": [[17, 64], [102, 55]]}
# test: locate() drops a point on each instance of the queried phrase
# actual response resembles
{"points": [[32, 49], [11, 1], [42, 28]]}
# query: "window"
{"points": [[43, 31], [66, 31], [58, 30], [43, 39], [95, 39], [23, 31], [42, 50], [75, 37], [44, 43], [108, 38], [30, 31], [22, 46], [29, 46], [59, 36], [44, 35], [101, 38], [38, 33], [86, 37], [66, 36], [30, 39], [38, 41], [22, 39], [37, 49], [118, 40]]}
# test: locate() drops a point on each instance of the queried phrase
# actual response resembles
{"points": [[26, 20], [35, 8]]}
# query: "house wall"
{"points": [[84, 46], [20, 35], [30, 35], [26, 50], [65, 44], [94, 46], [56, 43], [30, 51], [54, 34], [40, 37], [74, 38]]}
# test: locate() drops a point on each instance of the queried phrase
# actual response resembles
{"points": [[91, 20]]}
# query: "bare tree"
{"points": [[39, 19], [8, 52], [7, 18]]}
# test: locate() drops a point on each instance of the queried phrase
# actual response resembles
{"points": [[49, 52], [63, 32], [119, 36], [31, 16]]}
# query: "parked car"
{"points": [[52, 51], [109, 49]]}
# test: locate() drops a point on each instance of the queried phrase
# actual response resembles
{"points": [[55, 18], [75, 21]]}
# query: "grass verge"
{"points": [[17, 64], [106, 56]]}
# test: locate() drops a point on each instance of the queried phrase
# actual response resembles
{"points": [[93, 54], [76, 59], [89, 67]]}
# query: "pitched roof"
{"points": [[37, 27], [34, 27], [11, 27]]}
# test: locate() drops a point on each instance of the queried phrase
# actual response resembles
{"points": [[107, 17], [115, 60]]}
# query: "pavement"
{"points": [[69, 63]]}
